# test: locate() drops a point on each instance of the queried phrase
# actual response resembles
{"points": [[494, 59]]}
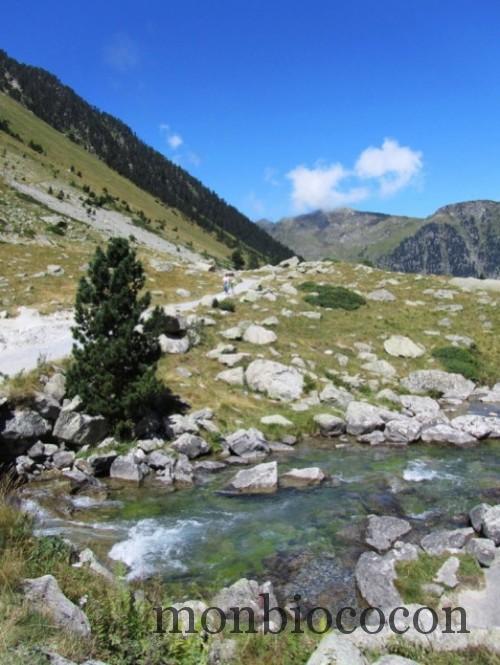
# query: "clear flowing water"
{"points": [[305, 541]]}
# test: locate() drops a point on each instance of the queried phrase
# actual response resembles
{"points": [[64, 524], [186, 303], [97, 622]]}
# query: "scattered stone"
{"points": [[476, 516], [335, 649], [63, 459], [403, 347], [381, 295], [300, 478], [382, 532], [47, 406], [247, 441], [375, 576], [88, 559], [191, 445], [447, 574], [443, 433], [491, 524], [125, 467], [278, 381], [402, 431], [176, 345], [244, 593], [255, 334], [330, 425], [446, 383], [278, 420], [482, 549], [446, 541], [260, 479], [24, 426], [363, 418], [233, 377], [79, 429], [476, 426], [44, 595], [380, 368], [336, 396]]}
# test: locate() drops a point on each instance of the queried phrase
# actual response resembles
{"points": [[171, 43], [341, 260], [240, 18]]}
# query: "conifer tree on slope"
{"points": [[114, 363]]}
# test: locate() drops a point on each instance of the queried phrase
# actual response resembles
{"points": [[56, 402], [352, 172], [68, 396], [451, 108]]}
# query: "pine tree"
{"points": [[114, 361], [237, 259]]}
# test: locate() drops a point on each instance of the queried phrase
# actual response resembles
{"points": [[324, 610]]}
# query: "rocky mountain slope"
{"points": [[461, 239], [122, 150]]}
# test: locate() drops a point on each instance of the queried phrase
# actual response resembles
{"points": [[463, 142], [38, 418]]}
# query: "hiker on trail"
{"points": [[226, 283]]}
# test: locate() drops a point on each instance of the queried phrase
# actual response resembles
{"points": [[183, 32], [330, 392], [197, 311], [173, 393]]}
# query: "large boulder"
{"points": [[424, 408], [482, 549], [278, 381], [445, 541], [375, 576], [247, 442], [244, 593], [176, 345], [382, 532], [403, 347], [402, 431], [126, 467], [259, 335], [329, 425], [448, 384], [335, 649], [260, 479], [47, 406], [477, 426], [491, 524], [56, 386], [191, 445], [363, 418], [301, 478], [336, 396], [44, 595], [80, 429], [24, 426], [100, 463], [443, 433]]}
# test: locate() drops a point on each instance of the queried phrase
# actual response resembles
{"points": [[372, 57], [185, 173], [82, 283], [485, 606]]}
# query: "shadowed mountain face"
{"points": [[459, 239]]}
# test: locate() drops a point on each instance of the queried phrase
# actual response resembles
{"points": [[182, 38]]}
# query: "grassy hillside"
{"points": [[53, 168]]}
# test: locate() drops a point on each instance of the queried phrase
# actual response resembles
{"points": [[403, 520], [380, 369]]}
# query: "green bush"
{"points": [[335, 297], [227, 306], [461, 361]]}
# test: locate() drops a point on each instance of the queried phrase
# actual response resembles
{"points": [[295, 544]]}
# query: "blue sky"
{"points": [[286, 106]]}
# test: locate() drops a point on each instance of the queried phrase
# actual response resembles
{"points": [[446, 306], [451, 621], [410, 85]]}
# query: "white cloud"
{"points": [[318, 187], [121, 53], [393, 165], [175, 141], [377, 172]]}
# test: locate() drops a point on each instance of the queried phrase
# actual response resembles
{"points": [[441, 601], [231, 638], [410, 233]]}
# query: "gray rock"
{"points": [[278, 381], [375, 576], [24, 426], [491, 524], [301, 478], [148, 445], [244, 593], [175, 345], [208, 466], [335, 649], [191, 445], [125, 467], [402, 431], [446, 541], [47, 406], [447, 574], [330, 425], [477, 514], [232, 359], [477, 426], [87, 559], [336, 396], [424, 408], [446, 383], [255, 334], [223, 652], [56, 386], [277, 420], [381, 295], [247, 441], [260, 479], [443, 433], [63, 458], [43, 595], [395, 660], [375, 438], [183, 472], [382, 532], [403, 347], [37, 451], [79, 429], [380, 368], [363, 418], [233, 377], [233, 333], [482, 549], [159, 459]]}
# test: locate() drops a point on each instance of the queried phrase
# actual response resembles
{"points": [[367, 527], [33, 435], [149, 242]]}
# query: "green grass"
{"points": [[467, 362], [419, 654], [412, 575]]}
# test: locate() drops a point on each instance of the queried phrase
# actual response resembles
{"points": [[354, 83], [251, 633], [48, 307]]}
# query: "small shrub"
{"points": [[335, 297], [227, 306], [36, 147], [461, 361]]}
